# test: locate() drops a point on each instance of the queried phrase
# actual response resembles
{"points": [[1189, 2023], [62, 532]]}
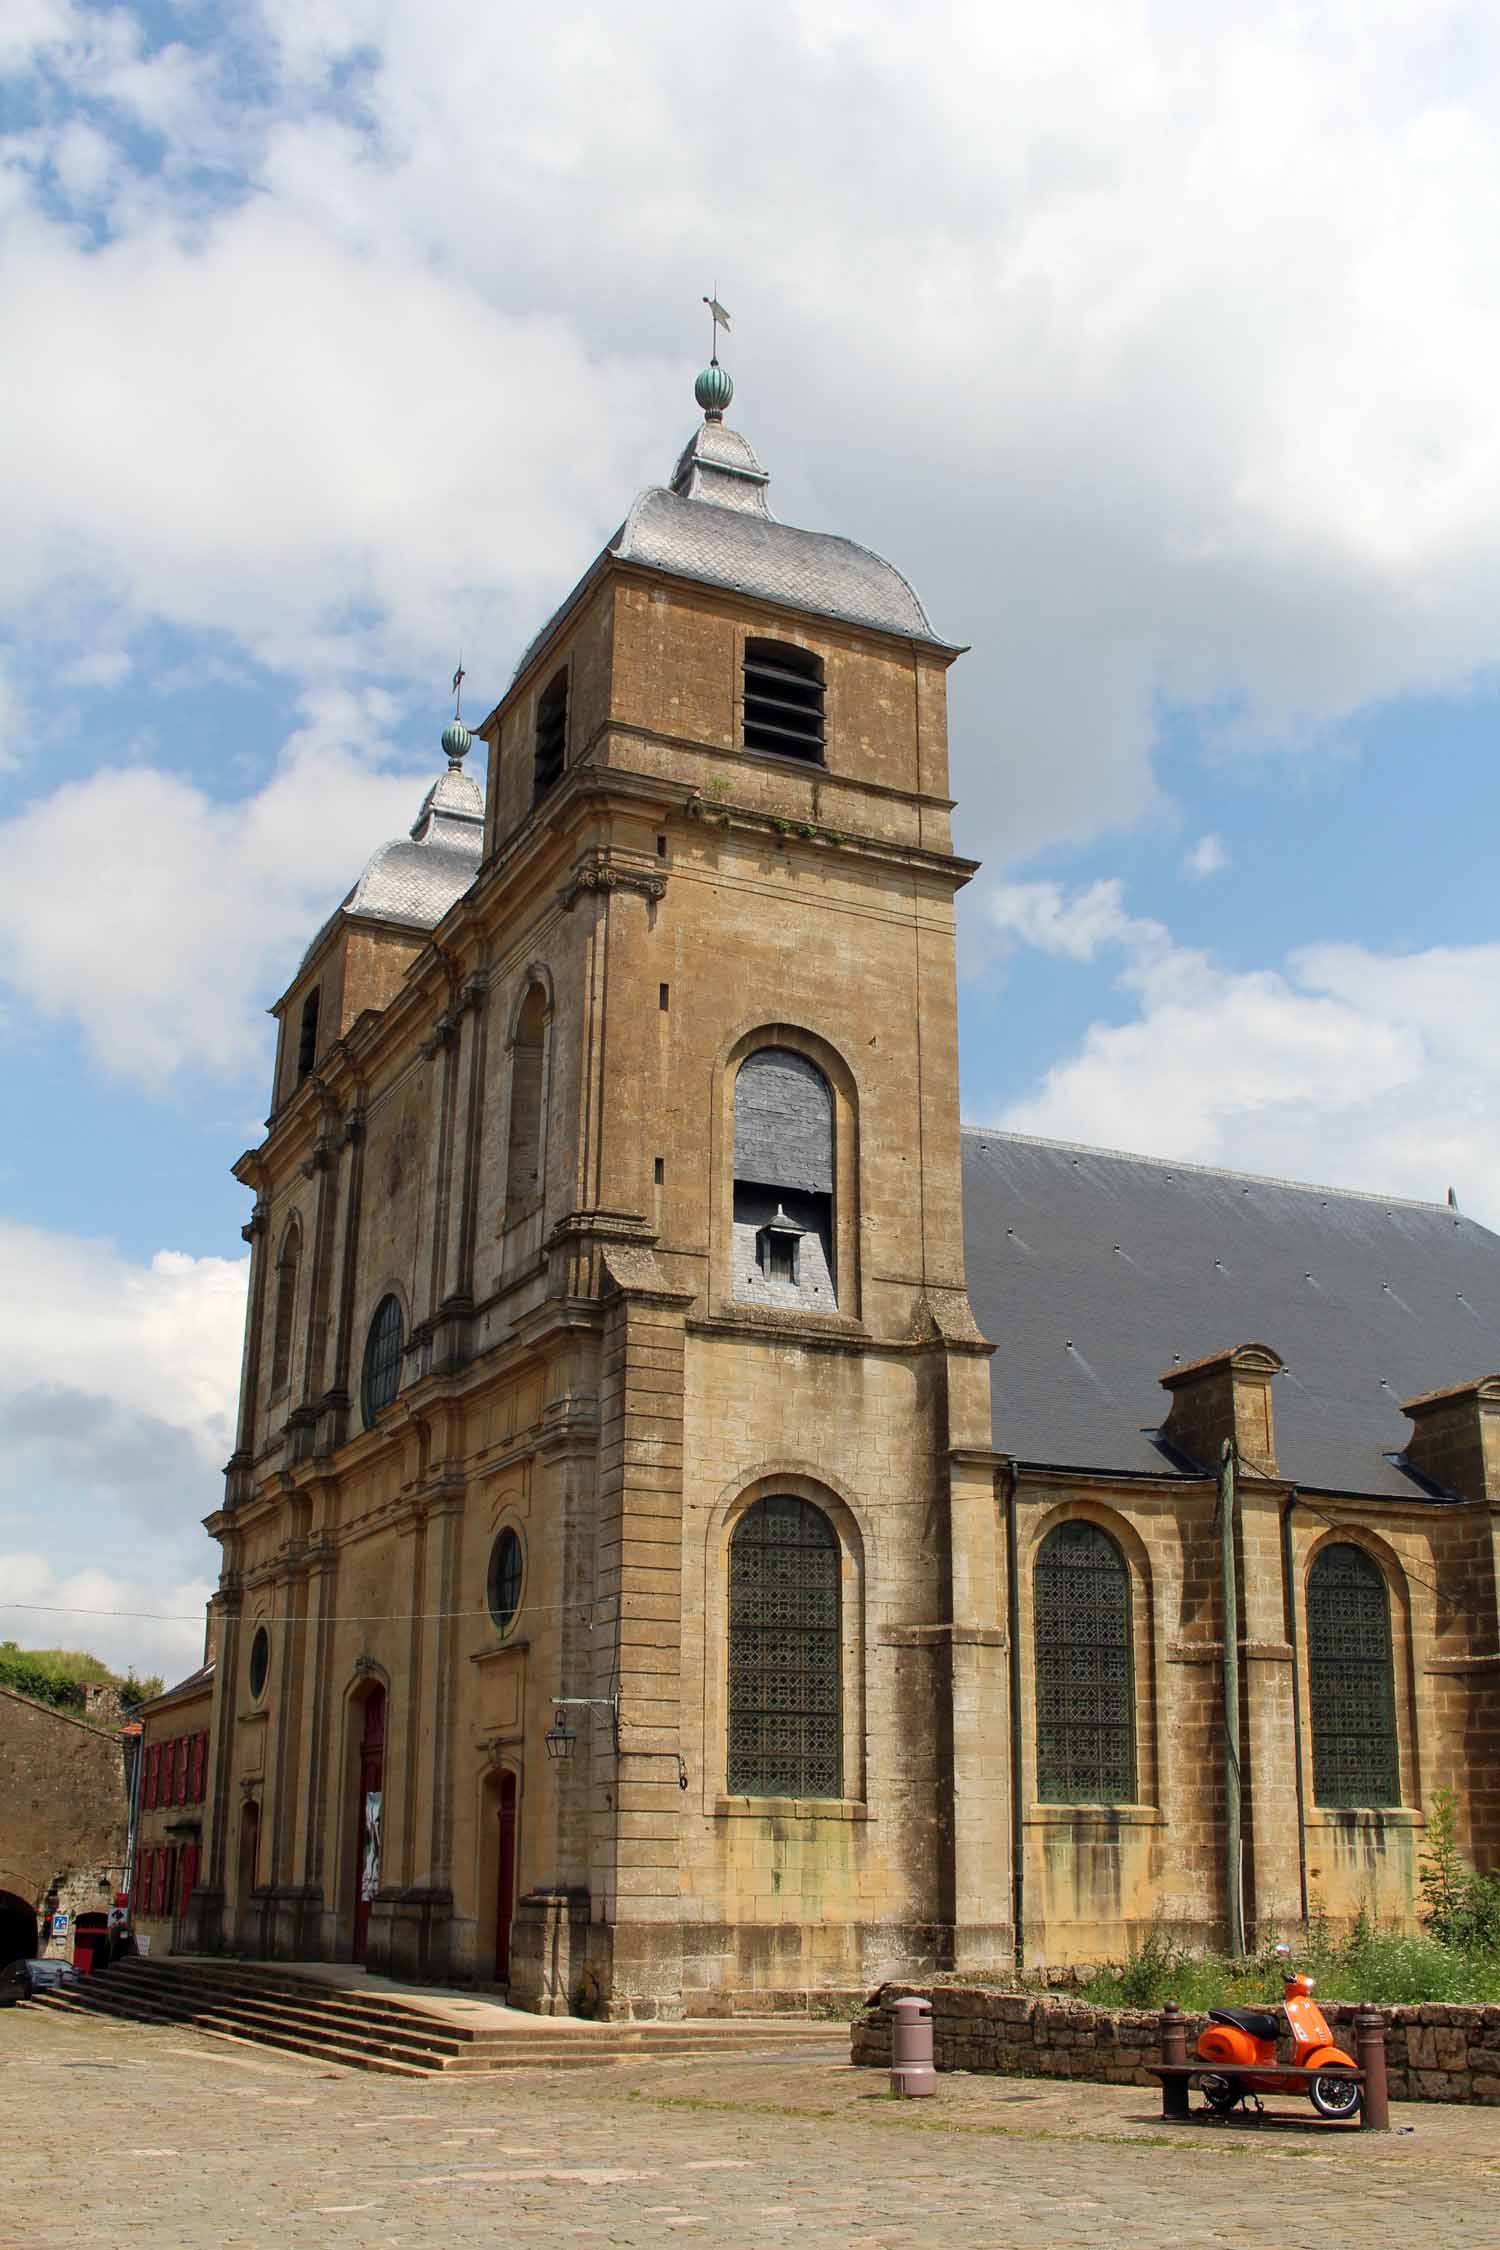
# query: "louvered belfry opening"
{"points": [[307, 1036], [783, 700], [551, 735]]}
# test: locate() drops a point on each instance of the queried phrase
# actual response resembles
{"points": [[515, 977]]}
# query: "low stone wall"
{"points": [[1434, 2053]]}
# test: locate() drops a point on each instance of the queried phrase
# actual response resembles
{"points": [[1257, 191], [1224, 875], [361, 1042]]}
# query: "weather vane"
{"points": [[720, 320], [458, 689]]}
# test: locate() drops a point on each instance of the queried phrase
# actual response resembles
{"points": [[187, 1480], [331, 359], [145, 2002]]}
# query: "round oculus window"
{"points": [[506, 1568], [260, 1662]]}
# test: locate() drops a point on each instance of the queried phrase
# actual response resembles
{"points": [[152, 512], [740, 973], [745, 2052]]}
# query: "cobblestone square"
{"points": [[122, 2133]]}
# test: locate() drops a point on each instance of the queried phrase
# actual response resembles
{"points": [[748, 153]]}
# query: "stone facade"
{"points": [[64, 1813], [513, 1149], [1434, 2053]]}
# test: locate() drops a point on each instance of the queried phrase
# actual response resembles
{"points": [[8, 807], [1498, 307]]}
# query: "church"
{"points": [[704, 1527]]}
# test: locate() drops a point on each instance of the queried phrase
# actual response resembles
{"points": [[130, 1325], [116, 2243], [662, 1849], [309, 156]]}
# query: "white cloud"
{"points": [[118, 1382], [1163, 347], [1071, 928], [50, 1608], [1207, 857], [173, 918], [1344, 1065], [160, 1339]]}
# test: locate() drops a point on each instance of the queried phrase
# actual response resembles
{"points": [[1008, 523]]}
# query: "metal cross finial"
{"points": [[458, 690], [720, 319]]}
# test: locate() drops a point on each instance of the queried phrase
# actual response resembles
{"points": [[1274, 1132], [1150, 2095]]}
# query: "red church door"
{"points": [[370, 1823], [505, 1899]]}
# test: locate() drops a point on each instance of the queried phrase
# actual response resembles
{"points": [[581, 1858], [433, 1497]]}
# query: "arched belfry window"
{"points": [[1085, 1700], [288, 1266], [1351, 1683], [551, 750], [783, 700], [523, 1176], [380, 1377], [307, 1035], [786, 1729], [783, 1182]]}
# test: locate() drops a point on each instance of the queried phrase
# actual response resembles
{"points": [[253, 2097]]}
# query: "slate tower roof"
{"points": [[713, 523]]}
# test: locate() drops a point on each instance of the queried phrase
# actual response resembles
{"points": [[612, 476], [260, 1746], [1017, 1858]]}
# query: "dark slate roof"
{"points": [[1092, 1272]]}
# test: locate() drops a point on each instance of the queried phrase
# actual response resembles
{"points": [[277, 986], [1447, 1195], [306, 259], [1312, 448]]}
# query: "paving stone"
{"points": [[764, 2154]]}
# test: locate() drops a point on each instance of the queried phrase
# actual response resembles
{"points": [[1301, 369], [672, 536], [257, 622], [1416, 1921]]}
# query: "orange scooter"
{"points": [[1246, 2037]]}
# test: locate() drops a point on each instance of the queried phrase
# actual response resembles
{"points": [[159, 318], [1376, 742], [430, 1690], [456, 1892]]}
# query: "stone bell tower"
{"points": [[741, 728]]}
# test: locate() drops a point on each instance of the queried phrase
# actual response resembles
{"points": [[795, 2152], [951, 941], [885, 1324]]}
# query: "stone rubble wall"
{"points": [[1434, 2053]]}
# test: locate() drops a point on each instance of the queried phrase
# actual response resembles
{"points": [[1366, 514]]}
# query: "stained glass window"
{"points": [[381, 1378], [1353, 1691], [1085, 1702], [785, 1706]]}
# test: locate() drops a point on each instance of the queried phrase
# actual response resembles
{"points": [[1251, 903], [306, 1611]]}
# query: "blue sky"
{"points": [[1160, 347]]}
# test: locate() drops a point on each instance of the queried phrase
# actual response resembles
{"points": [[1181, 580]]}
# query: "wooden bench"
{"points": [[1176, 2078]]}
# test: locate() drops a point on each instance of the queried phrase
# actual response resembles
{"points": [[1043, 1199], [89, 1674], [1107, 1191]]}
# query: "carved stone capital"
{"points": [[603, 875]]}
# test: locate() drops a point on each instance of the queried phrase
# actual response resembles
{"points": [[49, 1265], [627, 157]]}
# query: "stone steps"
{"points": [[379, 2031]]}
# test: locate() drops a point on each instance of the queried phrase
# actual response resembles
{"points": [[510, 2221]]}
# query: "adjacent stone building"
{"points": [[170, 1789], [640, 1586], [64, 1814]]}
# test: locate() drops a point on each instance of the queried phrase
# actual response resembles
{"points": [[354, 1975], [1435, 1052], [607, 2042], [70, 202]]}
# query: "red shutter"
{"points": [[158, 1882], [140, 1887], [198, 1785], [153, 1775], [179, 1794], [188, 1875]]}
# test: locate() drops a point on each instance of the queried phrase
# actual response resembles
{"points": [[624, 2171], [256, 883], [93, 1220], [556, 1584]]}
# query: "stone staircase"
{"points": [[413, 2038]]}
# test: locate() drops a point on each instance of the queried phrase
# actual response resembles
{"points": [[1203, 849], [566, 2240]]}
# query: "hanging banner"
{"points": [[369, 1881]]}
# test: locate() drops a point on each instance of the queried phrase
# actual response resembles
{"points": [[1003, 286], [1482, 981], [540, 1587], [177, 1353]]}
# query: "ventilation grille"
{"points": [[783, 700]]}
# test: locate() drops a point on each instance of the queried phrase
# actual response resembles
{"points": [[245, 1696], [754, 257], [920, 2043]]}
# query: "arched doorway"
{"points": [[17, 1929], [370, 1817], [505, 1874]]}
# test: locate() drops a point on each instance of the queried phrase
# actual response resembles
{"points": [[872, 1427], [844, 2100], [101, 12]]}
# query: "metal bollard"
{"points": [[1173, 2034], [1369, 2053], [912, 2073]]}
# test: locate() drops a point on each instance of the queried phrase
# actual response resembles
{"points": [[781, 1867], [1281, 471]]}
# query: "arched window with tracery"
{"points": [[1350, 1679], [786, 1726], [288, 1266], [523, 1176], [1085, 1695]]}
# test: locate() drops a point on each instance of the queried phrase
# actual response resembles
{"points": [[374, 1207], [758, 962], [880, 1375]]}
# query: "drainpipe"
{"points": [[1013, 1637], [1288, 1580], [1233, 1869]]}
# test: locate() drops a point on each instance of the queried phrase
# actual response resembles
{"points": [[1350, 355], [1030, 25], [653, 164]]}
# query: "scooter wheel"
{"points": [[1334, 2095], [1221, 2094]]}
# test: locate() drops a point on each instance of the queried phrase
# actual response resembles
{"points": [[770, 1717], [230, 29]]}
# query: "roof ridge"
{"points": [[1212, 1171]]}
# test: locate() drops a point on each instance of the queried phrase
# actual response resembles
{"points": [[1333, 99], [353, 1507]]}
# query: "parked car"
{"points": [[21, 1979]]}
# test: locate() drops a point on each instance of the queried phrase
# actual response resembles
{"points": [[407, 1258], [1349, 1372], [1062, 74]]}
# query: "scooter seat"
{"points": [[1254, 2020]]}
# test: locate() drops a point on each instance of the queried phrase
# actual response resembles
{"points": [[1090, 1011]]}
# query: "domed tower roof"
{"points": [[417, 879], [712, 524], [414, 879]]}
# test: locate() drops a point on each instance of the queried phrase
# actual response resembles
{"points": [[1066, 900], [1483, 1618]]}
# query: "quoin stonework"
{"points": [[702, 1524]]}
